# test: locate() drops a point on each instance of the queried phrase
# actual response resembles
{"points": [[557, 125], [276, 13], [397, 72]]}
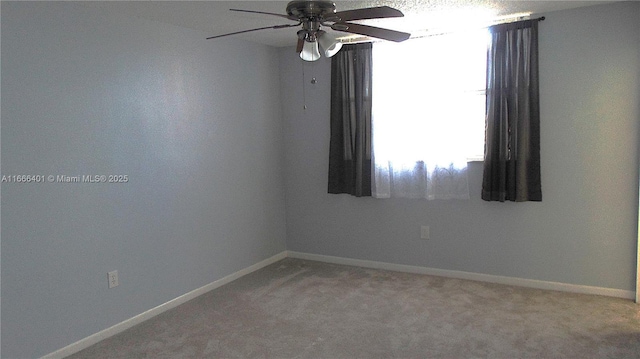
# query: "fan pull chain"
{"points": [[304, 87]]}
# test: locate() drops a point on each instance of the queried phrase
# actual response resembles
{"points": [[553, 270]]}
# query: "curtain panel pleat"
{"points": [[350, 144], [512, 143]]}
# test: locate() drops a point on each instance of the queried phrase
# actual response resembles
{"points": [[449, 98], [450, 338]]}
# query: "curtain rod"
{"points": [[516, 19]]}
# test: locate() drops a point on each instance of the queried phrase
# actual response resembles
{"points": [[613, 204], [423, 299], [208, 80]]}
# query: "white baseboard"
{"points": [[531, 283], [521, 282], [122, 326]]}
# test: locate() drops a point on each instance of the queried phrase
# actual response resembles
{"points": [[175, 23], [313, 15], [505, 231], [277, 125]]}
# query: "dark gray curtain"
{"points": [[350, 146], [512, 143]]}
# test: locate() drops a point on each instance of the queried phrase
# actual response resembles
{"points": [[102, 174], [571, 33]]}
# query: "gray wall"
{"points": [[584, 230], [195, 124]]}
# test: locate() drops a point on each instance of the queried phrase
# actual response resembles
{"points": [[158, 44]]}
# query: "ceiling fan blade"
{"points": [[366, 13], [267, 13], [260, 28], [372, 31]]}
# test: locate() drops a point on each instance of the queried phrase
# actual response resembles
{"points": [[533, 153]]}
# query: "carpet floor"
{"points": [[305, 309]]}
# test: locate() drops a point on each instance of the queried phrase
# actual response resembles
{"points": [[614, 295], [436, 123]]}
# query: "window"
{"points": [[428, 114], [429, 97]]}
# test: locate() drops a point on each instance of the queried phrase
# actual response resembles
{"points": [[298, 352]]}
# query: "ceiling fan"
{"points": [[314, 14]]}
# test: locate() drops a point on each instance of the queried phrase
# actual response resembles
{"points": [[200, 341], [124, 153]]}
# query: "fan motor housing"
{"points": [[310, 9]]}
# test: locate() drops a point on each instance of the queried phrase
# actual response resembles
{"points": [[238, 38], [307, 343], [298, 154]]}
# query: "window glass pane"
{"points": [[428, 97]]}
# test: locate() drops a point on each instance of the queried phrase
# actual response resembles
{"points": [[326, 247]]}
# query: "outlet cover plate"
{"points": [[424, 232], [113, 279]]}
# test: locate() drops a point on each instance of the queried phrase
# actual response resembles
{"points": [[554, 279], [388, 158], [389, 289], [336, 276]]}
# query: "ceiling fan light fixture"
{"points": [[310, 51], [329, 44]]}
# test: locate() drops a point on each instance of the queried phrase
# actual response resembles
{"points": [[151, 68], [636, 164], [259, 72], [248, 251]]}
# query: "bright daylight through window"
{"points": [[428, 111]]}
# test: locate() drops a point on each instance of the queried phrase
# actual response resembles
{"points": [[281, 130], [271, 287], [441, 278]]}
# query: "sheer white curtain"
{"points": [[428, 114]]}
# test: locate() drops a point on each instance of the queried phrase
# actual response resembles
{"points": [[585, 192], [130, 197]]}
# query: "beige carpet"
{"points": [[305, 309]]}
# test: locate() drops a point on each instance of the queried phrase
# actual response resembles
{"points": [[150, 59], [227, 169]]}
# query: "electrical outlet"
{"points": [[113, 279], [424, 232]]}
